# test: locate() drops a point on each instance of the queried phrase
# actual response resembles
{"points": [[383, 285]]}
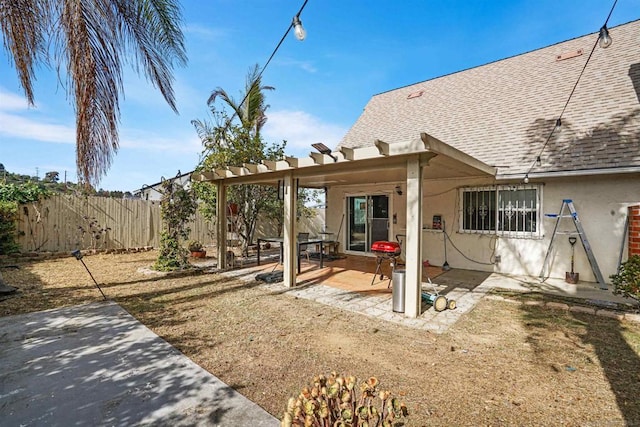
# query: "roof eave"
{"points": [[570, 173]]}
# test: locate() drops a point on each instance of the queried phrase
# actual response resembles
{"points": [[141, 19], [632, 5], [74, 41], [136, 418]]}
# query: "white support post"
{"points": [[221, 225], [413, 244], [290, 243]]}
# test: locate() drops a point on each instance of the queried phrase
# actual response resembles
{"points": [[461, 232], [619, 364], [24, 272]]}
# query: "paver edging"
{"points": [[576, 308]]}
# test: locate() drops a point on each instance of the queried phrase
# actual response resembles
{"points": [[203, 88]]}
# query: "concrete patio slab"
{"points": [[96, 365]]}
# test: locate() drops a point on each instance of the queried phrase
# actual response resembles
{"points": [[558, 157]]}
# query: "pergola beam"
{"points": [[382, 146], [291, 161], [238, 170], [222, 173], [347, 152], [253, 168], [435, 145], [318, 158]]}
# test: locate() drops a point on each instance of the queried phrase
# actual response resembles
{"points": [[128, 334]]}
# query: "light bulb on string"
{"points": [[298, 29], [604, 40]]}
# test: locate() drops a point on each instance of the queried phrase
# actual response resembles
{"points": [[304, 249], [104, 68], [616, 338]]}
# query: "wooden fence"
{"points": [[65, 223]]}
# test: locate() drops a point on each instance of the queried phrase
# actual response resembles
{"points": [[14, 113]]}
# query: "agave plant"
{"points": [[333, 401]]}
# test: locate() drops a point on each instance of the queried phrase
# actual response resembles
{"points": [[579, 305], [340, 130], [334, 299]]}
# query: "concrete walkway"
{"points": [[96, 365]]}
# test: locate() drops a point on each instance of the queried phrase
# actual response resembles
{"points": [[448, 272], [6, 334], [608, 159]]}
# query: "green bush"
{"points": [[627, 281], [194, 246], [177, 206], [8, 218], [11, 196], [171, 256]]}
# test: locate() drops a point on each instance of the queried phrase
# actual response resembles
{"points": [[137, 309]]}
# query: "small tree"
{"points": [[177, 207], [231, 144], [52, 176], [627, 281]]}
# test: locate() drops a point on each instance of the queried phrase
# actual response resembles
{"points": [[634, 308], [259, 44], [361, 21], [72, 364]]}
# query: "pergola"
{"points": [[414, 161]]}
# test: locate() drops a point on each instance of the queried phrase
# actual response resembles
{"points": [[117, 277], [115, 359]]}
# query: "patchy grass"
{"points": [[502, 364]]}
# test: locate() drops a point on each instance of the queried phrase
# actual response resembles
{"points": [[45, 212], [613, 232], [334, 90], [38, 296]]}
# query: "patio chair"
{"points": [[304, 249]]}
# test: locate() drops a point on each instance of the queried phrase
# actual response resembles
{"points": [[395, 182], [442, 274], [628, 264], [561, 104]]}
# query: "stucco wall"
{"points": [[601, 203]]}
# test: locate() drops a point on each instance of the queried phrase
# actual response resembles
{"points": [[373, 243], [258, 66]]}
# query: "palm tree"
{"points": [[227, 143], [251, 109], [91, 40]]}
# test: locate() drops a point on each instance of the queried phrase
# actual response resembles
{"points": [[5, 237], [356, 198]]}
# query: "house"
{"points": [[154, 191], [464, 167]]}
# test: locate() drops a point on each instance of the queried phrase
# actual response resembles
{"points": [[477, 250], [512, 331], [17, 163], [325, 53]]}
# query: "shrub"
{"points": [[171, 255], [177, 206], [194, 246], [333, 401], [8, 217], [11, 196], [627, 281]]}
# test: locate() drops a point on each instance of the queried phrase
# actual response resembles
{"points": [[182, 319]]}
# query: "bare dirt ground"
{"points": [[502, 364]]}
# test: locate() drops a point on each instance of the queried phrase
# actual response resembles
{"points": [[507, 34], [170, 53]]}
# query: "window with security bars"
{"points": [[479, 210], [518, 211], [511, 211]]}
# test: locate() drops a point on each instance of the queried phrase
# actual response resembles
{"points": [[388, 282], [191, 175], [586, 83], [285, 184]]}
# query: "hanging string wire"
{"points": [[246, 95], [559, 119]]}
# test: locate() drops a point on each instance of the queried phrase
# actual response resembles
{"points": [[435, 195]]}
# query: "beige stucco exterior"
{"points": [[601, 203]]}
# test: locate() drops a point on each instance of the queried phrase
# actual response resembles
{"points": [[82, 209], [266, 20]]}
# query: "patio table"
{"points": [[309, 241]]}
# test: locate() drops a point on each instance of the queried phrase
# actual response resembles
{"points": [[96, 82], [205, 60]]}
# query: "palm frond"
{"points": [[151, 28], [92, 40], [23, 24], [228, 100]]}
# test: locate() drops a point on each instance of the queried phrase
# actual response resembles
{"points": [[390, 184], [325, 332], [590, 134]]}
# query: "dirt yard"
{"points": [[502, 364]]}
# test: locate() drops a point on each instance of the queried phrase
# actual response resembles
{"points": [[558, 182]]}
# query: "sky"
{"points": [[354, 49]]}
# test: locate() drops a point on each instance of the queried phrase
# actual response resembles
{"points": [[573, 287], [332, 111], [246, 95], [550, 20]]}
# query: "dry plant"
{"points": [[332, 402]]}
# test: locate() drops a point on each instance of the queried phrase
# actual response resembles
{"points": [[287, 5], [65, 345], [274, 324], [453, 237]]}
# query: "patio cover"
{"points": [[414, 161]]}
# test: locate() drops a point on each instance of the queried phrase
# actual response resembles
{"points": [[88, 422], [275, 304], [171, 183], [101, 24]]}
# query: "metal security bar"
{"points": [[479, 210], [510, 211], [517, 211]]}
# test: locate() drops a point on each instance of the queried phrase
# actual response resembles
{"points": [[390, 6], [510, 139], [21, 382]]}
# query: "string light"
{"points": [[298, 29], [604, 40], [300, 33]]}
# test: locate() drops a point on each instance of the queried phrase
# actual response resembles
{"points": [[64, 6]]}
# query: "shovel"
{"points": [[445, 265], [571, 277]]}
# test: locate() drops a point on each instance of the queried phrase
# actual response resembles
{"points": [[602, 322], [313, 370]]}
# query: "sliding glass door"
{"points": [[368, 221]]}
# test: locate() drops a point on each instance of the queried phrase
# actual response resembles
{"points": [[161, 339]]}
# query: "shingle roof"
{"points": [[503, 112]]}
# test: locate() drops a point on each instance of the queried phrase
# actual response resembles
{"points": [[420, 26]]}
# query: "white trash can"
{"points": [[397, 292]]}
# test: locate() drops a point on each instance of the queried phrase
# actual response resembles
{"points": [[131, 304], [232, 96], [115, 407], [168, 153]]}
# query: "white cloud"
{"points": [[305, 65], [16, 122], [142, 140], [15, 126], [205, 32], [300, 130], [10, 101]]}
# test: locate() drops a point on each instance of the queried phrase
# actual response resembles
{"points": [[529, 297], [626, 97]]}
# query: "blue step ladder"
{"points": [[573, 214]]}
